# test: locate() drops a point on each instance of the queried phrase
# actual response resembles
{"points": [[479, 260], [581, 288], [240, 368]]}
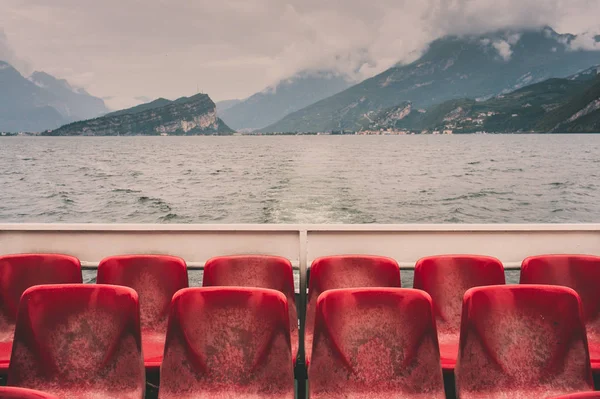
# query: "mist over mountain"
{"points": [[41, 101], [287, 96], [226, 104], [73, 103], [470, 66]]}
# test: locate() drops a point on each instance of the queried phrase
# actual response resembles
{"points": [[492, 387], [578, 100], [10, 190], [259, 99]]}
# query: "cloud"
{"points": [[586, 41], [233, 48], [503, 48], [513, 38], [7, 54]]}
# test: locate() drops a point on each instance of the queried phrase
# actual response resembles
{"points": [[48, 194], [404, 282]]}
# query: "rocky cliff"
{"points": [[194, 115]]}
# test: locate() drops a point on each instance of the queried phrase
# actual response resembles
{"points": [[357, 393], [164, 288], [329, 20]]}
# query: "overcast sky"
{"points": [[127, 49]]}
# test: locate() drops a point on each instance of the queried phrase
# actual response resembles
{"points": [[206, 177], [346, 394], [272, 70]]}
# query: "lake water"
{"points": [[302, 179]]}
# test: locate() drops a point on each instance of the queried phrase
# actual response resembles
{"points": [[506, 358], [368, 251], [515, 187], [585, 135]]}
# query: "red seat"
{"points": [[522, 342], [23, 393], [226, 342], [580, 272], [446, 278], [156, 278], [79, 341], [345, 271], [580, 395], [19, 272], [375, 343], [259, 271]]}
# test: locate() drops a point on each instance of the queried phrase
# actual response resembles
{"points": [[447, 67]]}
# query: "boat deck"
{"points": [[301, 244]]}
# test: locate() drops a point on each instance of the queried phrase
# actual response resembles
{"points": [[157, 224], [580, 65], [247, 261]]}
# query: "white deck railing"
{"points": [[300, 243]]}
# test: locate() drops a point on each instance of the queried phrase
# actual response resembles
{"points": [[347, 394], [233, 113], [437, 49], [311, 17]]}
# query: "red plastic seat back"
{"points": [[19, 272], [375, 343], [155, 278], [346, 271], [79, 341], [23, 393], [446, 278], [261, 271], [522, 342], [227, 342], [580, 272]]}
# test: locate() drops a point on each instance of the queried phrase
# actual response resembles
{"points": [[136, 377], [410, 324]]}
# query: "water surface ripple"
{"points": [[302, 179]]}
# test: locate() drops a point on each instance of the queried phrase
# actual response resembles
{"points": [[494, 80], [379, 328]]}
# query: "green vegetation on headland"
{"points": [[555, 105], [186, 116]]}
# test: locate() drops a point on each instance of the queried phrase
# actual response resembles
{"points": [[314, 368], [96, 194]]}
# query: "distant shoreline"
{"points": [[35, 135]]}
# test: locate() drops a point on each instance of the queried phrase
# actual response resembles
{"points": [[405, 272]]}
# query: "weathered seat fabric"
{"points": [[375, 343], [261, 271], [446, 278], [522, 342], [155, 278], [580, 395], [226, 342], [79, 341], [19, 272], [580, 272], [23, 393], [345, 271]]}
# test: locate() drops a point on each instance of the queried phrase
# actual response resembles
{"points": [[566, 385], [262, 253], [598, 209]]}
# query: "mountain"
{"points": [[586, 74], [452, 67], [41, 102], [579, 114], [73, 103], [185, 116], [555, 105], [226, 104], [20, 107], [159, 102], [273, 103]]}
